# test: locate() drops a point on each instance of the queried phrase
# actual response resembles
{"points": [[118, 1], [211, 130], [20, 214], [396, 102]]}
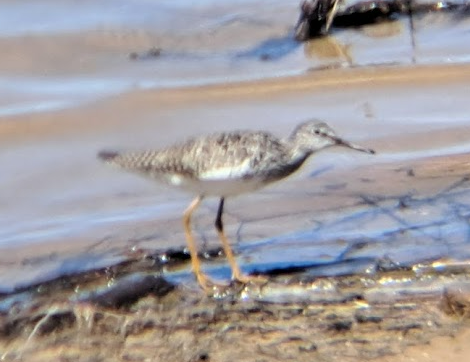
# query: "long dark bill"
{"points": [[341, 142]]}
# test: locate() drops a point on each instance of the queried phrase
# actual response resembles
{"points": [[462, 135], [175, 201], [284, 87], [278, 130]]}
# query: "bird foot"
{"points": [[209, 286], [212, 288], [250, 279]]}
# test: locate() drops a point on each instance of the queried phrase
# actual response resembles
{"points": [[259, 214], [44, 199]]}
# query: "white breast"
{"points": [[227, 173], [215, 187]]}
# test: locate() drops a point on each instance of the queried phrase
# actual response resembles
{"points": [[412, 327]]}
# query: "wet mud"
{"points": [[140, 316], [359, 304]]}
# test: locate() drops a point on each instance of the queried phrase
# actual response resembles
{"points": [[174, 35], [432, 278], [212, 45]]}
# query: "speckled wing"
{"points": [[224, 156], [237, 155]]}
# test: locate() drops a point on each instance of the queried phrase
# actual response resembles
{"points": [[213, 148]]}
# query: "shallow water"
{"points": [[53, 61], [69, 87]]}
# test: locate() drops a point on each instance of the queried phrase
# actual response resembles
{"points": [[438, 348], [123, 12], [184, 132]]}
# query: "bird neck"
{"points": [[297, 153]]}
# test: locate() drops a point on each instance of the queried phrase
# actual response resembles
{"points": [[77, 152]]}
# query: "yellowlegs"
{"points": [[227, 164]]}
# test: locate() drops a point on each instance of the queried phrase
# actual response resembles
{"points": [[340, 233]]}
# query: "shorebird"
{"points": [[227, 164]]}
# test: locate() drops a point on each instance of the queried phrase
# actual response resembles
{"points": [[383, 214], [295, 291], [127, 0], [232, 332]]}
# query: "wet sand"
{"points": [[51, 155], [69, 93], [266, 236]]}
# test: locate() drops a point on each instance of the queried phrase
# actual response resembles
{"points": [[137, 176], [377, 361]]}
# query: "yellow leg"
{"points": [[202, 279], [236, 272]]}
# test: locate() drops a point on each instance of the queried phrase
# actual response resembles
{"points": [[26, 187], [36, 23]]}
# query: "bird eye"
{"points": [[317, 131]]}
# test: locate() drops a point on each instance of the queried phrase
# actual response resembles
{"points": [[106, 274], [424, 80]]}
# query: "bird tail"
{"points": [[108, 156], [127, 160]]}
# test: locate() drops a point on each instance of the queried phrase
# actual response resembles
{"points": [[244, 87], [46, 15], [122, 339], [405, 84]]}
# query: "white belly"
{"points": [[217, 187]]}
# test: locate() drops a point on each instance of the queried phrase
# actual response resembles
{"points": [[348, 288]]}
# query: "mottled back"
{"points": [[235, 155]]}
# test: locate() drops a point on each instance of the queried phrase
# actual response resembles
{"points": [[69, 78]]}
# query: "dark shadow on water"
{"points": [[271, 49], [320, 171], [324, 269]]}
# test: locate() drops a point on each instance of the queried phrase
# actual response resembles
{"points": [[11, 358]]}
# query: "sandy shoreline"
{"points": [[148, 100]]}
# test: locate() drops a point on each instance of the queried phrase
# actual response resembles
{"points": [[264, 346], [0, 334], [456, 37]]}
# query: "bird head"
{"points": [[312, 136]]}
